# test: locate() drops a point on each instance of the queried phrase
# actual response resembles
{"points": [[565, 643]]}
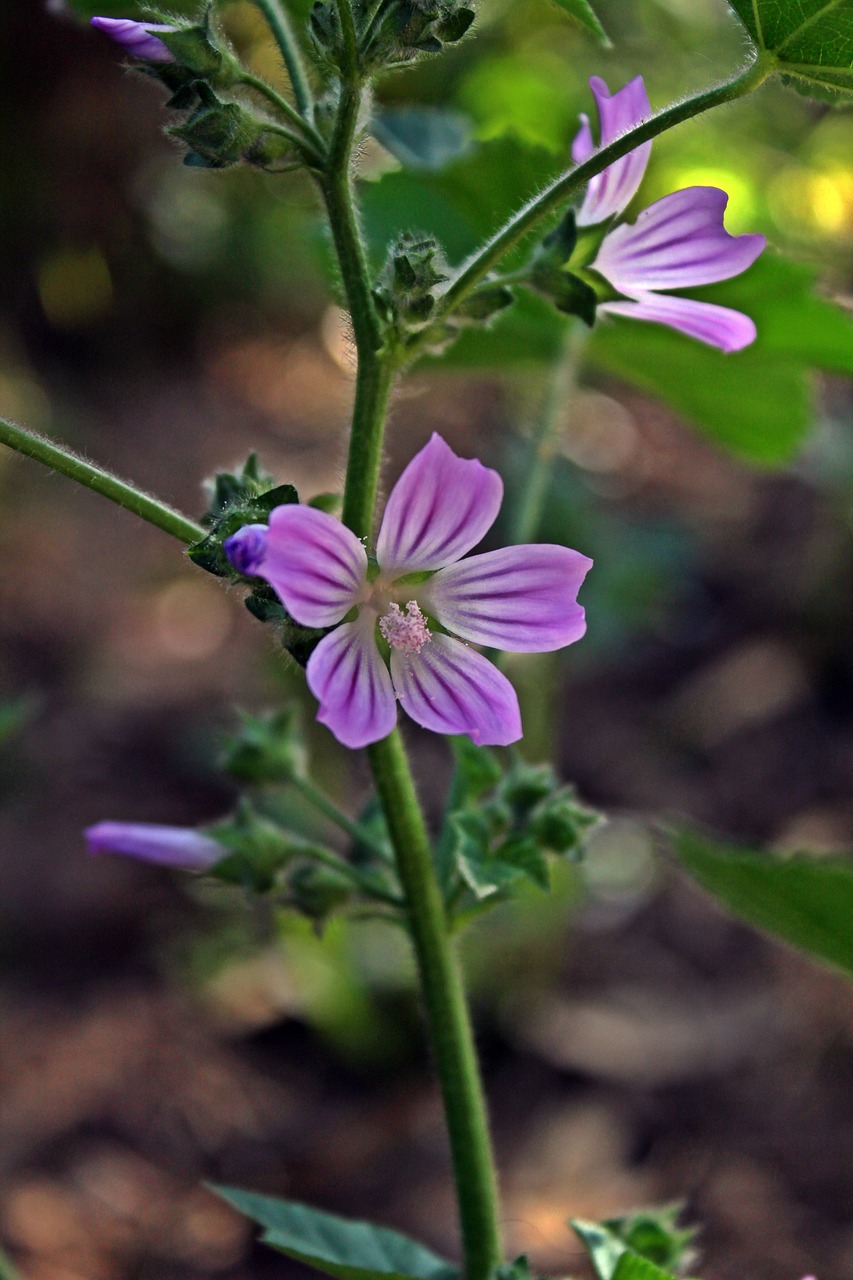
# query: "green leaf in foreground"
{"points": [[805, 899], [811, 40], [632, 1267], [338, 1246], [584, 15]]}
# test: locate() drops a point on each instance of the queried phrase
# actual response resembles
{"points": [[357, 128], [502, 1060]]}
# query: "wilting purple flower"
{"points": [[180, 847], [677, 243], [523, 599], [137, 37]]}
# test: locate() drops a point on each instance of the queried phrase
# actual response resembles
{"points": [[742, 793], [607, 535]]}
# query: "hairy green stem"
{"points": [[307, 136], [280, 25], [363, 880], [449, 1024], [323, 804], [568, 184], [109, 486]]}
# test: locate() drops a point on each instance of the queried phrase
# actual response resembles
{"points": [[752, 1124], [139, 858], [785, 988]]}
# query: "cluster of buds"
{"points": [[394, 33], [192, 60]]}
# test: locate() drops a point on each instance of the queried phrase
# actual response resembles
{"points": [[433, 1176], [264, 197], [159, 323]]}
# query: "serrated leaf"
{"points": [[341, 1247], [806, 900], [425, 138], [604, 1248], [583, 13], [811, 40], [632, 1267]]}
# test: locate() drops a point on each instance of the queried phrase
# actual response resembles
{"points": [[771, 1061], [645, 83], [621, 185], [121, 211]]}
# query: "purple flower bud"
{"points": [[137, 37], [180, 847], [247, 548]]}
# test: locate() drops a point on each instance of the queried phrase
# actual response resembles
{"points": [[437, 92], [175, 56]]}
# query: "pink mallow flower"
{"points": [[523, 599], [180, 847], [679, 242], [138, 38]]}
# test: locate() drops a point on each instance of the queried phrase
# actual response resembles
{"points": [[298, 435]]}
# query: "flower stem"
{"points": [[449, 1023], [307, 135], [279, 23], [109, 486], [568, 184], [323, 804]]}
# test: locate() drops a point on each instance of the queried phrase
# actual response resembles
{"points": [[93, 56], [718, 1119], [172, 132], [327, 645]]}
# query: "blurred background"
{"points": [[638, 1046]]}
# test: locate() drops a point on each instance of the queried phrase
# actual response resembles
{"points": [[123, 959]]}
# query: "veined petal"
{"points": [[677, 242], [137, 37], [717, 326], [450, 688], [315, 565], [611, 191], [522, 599], [348, 678], [583, 145], [180, 847], [439, 509]]}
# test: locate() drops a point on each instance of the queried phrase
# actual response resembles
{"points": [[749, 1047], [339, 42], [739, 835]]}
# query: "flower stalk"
{"points": [[70, 464]]}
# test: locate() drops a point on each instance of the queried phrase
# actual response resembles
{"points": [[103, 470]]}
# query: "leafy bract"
{"points": [[422, 137], [807, 900], [632, 1267], [338, 1247], [584, 15], [811, 40]]}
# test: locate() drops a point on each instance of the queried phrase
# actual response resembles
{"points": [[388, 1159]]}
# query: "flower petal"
{"points": [[180, 847], [678, 242], [611, 191], [583, 145], [136, 37], [441, 507], [717, 326], [450, 688], [315, 565], [522, 599], [348, 678]]}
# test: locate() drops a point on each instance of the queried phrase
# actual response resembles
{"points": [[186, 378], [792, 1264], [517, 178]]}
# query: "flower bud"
{"points": [[180, 847], [138, 38]]}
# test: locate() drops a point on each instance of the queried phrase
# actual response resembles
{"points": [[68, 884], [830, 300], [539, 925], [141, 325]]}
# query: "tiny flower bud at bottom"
{"points": [[405, 631]]}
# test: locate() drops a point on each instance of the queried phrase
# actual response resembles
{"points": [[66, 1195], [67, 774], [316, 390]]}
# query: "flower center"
{"points": [[407, 631]]}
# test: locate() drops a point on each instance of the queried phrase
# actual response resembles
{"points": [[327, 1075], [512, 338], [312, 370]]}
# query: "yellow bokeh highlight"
{"points": [[742, 207], [813, 203], [75, 287]]}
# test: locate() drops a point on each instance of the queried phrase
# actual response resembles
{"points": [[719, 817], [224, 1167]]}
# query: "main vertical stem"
{"points": [[450, 1030], [449, 1023]]}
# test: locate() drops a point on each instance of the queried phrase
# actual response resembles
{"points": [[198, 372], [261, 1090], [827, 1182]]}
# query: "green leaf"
{"points": [[632, 1267], [338, 1246], [479, 768], [805, 900], [811, 40], [422, 137], [582, 12], [758, 402], [604, 1248]]}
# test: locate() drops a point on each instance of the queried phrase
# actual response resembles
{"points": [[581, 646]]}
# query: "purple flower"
{"points": [[180, 847], [677, 243], [523, 599], [137, 37]]}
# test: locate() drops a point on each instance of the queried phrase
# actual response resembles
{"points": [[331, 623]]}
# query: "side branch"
{"points": [[109, 486], [568, 184], [279, 23]]}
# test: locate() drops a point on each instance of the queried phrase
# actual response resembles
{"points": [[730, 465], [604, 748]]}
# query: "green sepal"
{"points": [[222, 133], [478, 767], [561, 823], [317, 891], [257, 850], [266, 748], [414, 270], [568, 292], [484, 304], [654, 1234], [525, 786]]}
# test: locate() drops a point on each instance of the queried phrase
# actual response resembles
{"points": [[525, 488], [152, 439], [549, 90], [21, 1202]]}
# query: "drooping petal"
{"points": [[717, 326], [439, 509], [315, 565], [611, 191], [348, 678], [180, 847], [137, 37], [450, 688], [678, 242], [521, 599]]}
